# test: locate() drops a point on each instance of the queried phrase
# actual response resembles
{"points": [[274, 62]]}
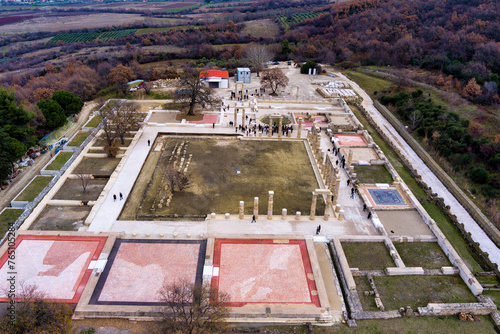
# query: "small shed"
{"points": [[242, 75], [215, 78]]}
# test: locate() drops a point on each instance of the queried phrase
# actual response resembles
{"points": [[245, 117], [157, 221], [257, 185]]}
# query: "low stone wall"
{"points": [[443, 242], [473, 210], [437, 309]]}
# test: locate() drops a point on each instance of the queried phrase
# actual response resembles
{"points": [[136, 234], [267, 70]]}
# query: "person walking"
{"points": [[149, 142], [369, 215], [121, 196], [114, 198], [253, 219], [318, 229], [364, 207], [352, 192]]}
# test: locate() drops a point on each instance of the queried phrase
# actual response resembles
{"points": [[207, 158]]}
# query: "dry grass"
{"points": [[261, 28], [283, 167]]}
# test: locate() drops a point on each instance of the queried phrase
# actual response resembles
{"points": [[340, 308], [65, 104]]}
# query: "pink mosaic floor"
{"points": [[207, 119], [264, 271], [58, 266], [140, 270], [350, 140], [319, 119]]}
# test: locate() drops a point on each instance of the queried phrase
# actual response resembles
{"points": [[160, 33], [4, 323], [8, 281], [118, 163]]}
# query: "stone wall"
{"points": [[473, 210], [442, 240]]}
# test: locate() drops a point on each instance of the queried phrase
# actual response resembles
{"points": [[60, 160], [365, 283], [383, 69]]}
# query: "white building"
{"points": [[215, 78]]}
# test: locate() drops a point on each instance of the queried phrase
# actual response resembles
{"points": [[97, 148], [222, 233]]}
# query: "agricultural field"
{"points": [[286, 21], [266, 28], [91, 36]]}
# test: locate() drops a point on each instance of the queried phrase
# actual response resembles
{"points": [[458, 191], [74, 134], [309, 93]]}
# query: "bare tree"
{"points": [[85, 179], [193, 91], [118, 118], [106, 113], [177, 179], [192, 309], [34, 314], [147, 87], [415, 118], [125, 119], [257, 55], [273, 78]]}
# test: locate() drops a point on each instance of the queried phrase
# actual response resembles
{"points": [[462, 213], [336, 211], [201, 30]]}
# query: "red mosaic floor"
{"points": [[207, 119], [58, 266], [319, 119], [141, 269], [264, 271], [350, 140]]}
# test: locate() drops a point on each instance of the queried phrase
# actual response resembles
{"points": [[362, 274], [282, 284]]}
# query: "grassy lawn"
{"points": [[59, 161], [103, 167], [433, 210], [362, 285], [369, 83], [373, 174], [215, 185], [367, 255], [416, 291], [34, 188], [285, 121], [79, 138], [94, 122], [7, 217], [427, 255], [102, 142]]}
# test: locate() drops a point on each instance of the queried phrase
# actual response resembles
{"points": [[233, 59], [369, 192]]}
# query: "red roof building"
{"points": [[215, 78]]}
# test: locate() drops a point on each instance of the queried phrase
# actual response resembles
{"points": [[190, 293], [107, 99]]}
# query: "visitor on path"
{"points": [[149, 142], [369, 215], [213, 125], [352, 192], [114, 198], [253, 219], [348, 181], [318, 229], [121, 196], [364, 207]]}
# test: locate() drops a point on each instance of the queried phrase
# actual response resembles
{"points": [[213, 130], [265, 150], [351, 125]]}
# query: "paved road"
{"points": [[7, 195], [470, 225]]}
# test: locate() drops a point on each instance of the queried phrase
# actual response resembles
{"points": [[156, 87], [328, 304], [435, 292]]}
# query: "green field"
{"points": [[59, 161], [94, 122], [7, 217], [79, 138], [286, 21], [91, 36], [34, 188], [175, 10]]}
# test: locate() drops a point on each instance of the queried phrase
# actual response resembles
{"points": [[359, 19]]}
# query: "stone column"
{"points": [[243, 117], [297, 215], [235, 118], [283, 214], [313, 206], [270, 205], [300, 128], [349, 158], [280, 132], [256, 207], [242, 210]]}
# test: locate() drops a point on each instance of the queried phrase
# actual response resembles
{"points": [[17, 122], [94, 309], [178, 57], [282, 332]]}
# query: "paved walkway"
{"points": [[470, 225]]}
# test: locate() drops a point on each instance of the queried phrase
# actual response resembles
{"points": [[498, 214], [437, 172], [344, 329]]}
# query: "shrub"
{"points": [[479, 175]]}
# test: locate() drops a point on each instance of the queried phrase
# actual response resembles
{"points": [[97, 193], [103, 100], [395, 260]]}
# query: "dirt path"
{"points": [[7, 195]]}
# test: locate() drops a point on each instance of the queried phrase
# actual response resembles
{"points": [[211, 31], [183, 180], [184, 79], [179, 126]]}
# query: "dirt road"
{"points": [[7, 195]]}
